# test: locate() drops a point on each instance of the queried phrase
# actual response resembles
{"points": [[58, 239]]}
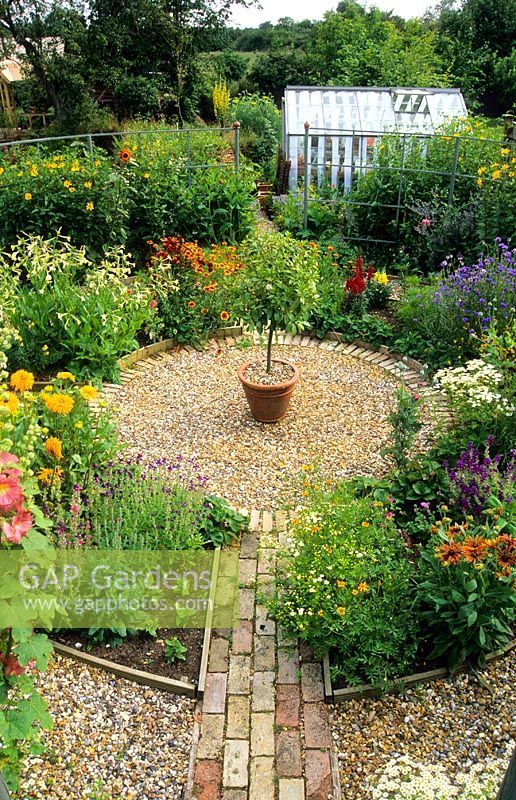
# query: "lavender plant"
{"points": [[477, 477], [445, 322]]}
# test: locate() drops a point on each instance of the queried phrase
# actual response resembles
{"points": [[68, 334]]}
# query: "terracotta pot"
{"points": [[268, 403]]}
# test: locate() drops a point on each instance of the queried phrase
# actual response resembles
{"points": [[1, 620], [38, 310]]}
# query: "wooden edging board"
{"points": [[367, 690], [150, 678]]}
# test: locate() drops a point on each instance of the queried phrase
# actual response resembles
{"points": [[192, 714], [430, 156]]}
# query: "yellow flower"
{"points": [[45, 475], [71, 189], [480, 183], [22, 381], [88, 392], [67, 184], [11, 403], [66, 376], [59, 403], [54, 447], [365, 524], [34, 171], [381, 278], [146, 175], [88, 184], [496, 174], [505, 167], [481, 170], [505, 151], [363, 586], [341, 610], [44, 430], [320, 613], [78, 425], [2, 170], [90, 206], [354, 592], [341, 584], [96, 163], [27, 196]]}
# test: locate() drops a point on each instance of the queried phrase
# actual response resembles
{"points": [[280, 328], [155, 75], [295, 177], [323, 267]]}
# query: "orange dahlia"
{"points": [[474, 549]]}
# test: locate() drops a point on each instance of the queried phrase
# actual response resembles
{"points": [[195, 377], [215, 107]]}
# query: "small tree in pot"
{"points": [[276, 290]]}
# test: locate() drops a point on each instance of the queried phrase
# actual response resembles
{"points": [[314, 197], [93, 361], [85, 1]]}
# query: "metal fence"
{"points": [[187, 134], [343, 167]]}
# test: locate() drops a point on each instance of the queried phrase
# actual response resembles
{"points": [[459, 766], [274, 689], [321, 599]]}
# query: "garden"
{"points": [[180, 372]]}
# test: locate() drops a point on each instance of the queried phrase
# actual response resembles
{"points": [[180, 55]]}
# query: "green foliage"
{"points": [[23, 712], [278, 287], [260, 123], [69, 311], [174, 650], [136, 507], [344, 585], [87, 199], [222, 524], [406, 423], [465, 585]]}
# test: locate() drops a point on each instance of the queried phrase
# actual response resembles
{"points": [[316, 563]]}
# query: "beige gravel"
{"points": [[124, 740], [191, 403], [455, 723]]}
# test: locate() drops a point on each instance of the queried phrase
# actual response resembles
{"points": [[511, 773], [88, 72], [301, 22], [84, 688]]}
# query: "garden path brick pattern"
{"points": [[264, 726]]}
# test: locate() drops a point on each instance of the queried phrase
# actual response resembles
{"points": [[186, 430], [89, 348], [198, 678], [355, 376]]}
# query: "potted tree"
{"points": [[277, 290]]}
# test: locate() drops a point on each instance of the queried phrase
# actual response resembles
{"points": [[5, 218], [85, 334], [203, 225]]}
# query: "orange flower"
{"points": [[22, 381], [54, 447], [191, 304], [474, 549], [224, 316], [506, 552], [88, 392], [59, 403], [450, 553], [45, 475], [341, 584], [125, 155], [11, 403]]}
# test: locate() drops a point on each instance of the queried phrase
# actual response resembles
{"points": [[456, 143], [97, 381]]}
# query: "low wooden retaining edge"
{"points": [[135, 675], [150, 678], [367, 690]]}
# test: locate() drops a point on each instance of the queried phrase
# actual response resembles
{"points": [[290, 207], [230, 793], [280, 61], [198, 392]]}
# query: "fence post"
{"points": [[236, 129], [188, 157], [90, 144], [453, 172], [401, 185], [306, 177]]}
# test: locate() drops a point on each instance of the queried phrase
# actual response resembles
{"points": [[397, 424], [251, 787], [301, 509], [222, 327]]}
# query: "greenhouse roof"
{"points": [[335, 109]]}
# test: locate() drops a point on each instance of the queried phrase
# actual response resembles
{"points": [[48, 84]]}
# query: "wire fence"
{"points": [[341, 160], [188, 135]]}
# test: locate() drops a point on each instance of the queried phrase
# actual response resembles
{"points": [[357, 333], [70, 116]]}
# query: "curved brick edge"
{"points": [[407, 682]]}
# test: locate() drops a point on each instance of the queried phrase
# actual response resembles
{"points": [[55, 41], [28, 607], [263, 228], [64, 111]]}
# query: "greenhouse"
{"points": [[345, 123]]}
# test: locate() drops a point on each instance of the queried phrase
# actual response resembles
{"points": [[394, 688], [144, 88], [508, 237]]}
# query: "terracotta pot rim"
{"points": [[262, 386]]}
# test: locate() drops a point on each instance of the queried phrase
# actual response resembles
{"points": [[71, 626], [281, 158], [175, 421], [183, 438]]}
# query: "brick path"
{"points": [[264, 731]]}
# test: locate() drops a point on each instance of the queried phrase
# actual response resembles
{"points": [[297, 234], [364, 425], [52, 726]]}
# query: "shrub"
{"points": [[55, 432], [69, 311], [466, 586], [83, 197], [260, 122], [344, 584], [191, 286], [477, 477], [445, 320]]}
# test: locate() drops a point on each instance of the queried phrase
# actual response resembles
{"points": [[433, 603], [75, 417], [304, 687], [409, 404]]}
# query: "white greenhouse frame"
{"points": [[343, 124]]}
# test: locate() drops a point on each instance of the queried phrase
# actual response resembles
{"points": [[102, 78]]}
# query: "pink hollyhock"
{"points": [[9, 458], [11, 665], [153, 303], [16, 529], [11, 494], [426, 222]]}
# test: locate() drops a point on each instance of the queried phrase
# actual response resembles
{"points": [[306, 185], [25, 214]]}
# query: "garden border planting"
{"points": [[407, 682], [193, 690]]}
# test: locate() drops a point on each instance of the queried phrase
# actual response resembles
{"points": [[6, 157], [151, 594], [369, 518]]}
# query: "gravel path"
{"points": [[456, 723], [110, 734], [191, 403]]}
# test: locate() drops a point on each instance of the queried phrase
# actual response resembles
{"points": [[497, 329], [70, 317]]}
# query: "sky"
{"points": [[272, 10]]}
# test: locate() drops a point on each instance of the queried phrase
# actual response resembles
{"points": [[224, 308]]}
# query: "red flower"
{"points": [[11, 665]]}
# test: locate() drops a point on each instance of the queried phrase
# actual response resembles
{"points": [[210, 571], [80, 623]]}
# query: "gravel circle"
{"points": [[192, 404], [130, 741], [456, 723]]}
